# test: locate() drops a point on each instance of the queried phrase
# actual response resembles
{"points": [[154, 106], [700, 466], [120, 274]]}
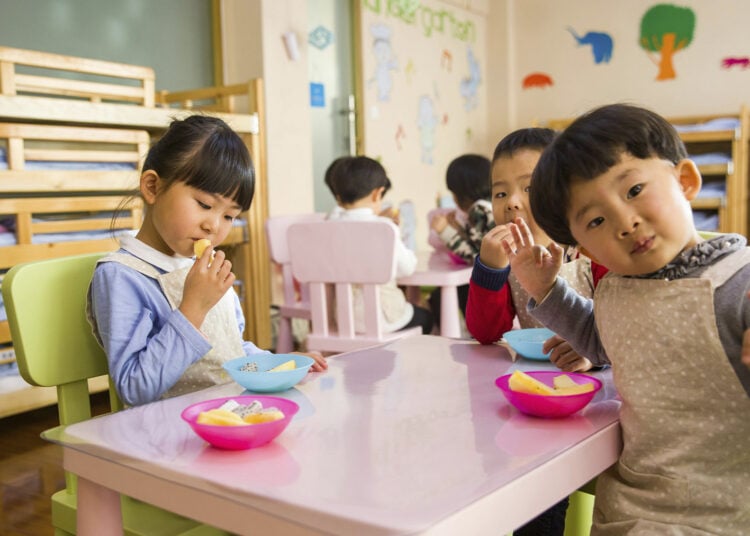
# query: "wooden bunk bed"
{"points": [[59, 189], [73, 132]]}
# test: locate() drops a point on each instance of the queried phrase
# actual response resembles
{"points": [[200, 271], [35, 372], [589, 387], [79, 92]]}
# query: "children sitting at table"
{"points": [[495, 296], [670, 317], [359, 184], [166, 321], [459, 232]]}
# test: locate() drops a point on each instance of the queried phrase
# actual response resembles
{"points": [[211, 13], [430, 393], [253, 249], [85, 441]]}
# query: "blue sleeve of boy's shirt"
{"points": [[148, 345], [489, 278]]}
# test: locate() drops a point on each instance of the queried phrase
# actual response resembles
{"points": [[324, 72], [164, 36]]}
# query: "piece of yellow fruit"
{"points": [[576, 389], [287, 365], [562, 381], [267, 415], [220, 417], [523, 383], [199, 246]]}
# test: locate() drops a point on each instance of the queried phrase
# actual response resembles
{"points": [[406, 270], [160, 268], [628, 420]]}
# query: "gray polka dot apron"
{"points": [[685, 464], [219, 327], [576, 272]]}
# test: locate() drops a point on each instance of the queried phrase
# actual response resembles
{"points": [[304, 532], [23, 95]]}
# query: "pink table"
{"points": [[439, 271], [408, 438]]}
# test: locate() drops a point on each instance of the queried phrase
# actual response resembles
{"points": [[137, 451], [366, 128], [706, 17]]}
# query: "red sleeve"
{"points": [[489, 313], [597, 272]]}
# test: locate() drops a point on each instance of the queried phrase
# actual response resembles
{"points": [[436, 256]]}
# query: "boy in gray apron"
{"points": [[670, 317]]}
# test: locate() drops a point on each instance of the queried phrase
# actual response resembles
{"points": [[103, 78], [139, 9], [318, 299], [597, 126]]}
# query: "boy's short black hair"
{"points": [[590, 146], [524, 138], [467, 177], [354, 178], [330, 171]]}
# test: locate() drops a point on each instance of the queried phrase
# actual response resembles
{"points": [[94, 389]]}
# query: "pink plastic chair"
{"points": [[343, 254], [294, 306]]}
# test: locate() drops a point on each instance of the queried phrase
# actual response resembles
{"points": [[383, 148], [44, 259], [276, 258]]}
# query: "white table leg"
{"points": [[450, 325], [99, 512]]}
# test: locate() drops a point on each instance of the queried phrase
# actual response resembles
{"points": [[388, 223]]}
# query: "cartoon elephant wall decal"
{"points": [[601, 44]]}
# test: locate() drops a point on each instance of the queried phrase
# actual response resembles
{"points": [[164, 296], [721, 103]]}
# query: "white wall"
{"points": [[253, 47]]}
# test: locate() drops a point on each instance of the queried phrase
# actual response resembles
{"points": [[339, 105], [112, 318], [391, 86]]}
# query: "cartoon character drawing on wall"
{"points": [[427, 120], [469, 85], [601, 44], [381, 48]]}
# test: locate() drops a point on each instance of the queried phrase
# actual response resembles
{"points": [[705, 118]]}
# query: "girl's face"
{"points": [[511, 179], [180, 215], [636, 217]]}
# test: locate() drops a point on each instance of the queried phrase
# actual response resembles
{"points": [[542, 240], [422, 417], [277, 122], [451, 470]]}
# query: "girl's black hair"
{"points": [[588, 148], [467, 177], [204, 153]]}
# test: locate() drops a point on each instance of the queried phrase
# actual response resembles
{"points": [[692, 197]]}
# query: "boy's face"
{"points": [[511, 177], [636, 217]]}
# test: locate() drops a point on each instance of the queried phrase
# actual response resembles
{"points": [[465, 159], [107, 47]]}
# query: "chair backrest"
{"points": [[54, 345], [343, 254], [278, 247]]}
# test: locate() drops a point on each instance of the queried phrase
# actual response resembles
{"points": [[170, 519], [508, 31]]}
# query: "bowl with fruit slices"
{"points": [[548, 393], [269, 373], [240, 422]]}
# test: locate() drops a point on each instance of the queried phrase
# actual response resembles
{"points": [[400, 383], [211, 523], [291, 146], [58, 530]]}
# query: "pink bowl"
{"points": [[549, 406], [240, 437]]}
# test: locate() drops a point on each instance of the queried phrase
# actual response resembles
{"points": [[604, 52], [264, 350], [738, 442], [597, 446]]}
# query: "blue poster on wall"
{"points": [[317, 95]]}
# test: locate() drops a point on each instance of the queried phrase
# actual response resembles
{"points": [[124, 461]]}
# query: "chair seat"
{"points": [[297, 310]]}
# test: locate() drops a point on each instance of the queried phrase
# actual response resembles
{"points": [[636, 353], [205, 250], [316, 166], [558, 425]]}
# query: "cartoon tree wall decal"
{"points": [[666, 29]]}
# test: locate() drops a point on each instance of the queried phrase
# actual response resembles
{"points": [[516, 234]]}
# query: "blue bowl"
{"points": [[264, 381], [528, 342]]}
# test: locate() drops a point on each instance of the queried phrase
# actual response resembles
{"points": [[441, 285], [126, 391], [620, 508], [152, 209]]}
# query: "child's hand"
{"points": [[205, 285], [491, 253], [320, 362], [453, 221], [438, 223], [563, 355], [534, 266], [391, 213]]}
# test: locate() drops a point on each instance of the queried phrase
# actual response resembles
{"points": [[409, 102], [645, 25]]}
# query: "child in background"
{"points": [[167, 322], [360, 183], [670, 316], [462, 230], [495, 296], [466, 178]]}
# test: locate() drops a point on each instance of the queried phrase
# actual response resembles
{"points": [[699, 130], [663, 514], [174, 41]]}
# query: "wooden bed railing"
{"points": [[107, 81]]}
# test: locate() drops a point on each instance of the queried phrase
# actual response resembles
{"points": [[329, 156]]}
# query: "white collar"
{"points": [[156, 258]]}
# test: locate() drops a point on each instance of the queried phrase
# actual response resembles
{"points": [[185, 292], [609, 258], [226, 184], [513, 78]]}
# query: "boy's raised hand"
{"points": [[491, 252], [534, 266], [206, 282]]}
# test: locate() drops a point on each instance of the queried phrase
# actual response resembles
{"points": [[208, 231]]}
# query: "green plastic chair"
{"points": [[54, 346]]}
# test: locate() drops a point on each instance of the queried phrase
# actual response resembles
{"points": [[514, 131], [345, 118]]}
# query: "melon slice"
{"points": [[286, 365], [523, 383]]}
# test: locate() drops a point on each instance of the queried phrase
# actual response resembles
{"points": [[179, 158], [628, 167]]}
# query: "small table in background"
{"points": [[437, 270]]}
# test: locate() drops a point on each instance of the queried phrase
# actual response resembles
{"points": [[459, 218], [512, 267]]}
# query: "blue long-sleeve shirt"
{"points": [[148, 344]]}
